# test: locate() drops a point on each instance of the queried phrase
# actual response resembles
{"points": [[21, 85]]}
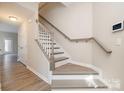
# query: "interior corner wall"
{"points": [[104, 16]]}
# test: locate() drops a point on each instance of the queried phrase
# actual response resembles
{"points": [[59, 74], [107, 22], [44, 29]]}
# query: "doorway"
{"points": [[8, 46]]}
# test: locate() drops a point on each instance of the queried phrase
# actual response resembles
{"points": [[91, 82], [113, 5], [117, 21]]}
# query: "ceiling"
{"points": [[20, 10], [6, 26]]}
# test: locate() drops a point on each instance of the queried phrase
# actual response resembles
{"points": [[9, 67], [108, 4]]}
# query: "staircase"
{"points": [[49, 47], [66, 75]]}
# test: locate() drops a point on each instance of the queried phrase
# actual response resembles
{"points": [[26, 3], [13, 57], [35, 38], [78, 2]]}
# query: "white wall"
{"points": [[31, 54], [78, 51], [22, 42], [76, 22], [36, 58], [105, 15], [8, 35]]}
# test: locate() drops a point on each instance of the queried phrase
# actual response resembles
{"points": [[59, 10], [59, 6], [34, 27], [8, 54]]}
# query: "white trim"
{"points": [[72, 77], [105, 82], [57, 64], [18, 60], [39, 75]]}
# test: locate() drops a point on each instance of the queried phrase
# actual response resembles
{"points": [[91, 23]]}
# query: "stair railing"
{"points": [[100, 44], [46, 43]]}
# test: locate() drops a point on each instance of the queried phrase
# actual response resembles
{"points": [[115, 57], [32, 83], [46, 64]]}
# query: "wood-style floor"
{"points": [[0, 72], [16, 77]]}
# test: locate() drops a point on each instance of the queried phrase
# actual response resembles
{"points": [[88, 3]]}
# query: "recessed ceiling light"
{"points": [[12, 18]]}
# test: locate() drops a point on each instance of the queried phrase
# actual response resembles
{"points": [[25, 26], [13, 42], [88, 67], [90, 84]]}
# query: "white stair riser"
{"points": [[81, 77], [60, 63]]}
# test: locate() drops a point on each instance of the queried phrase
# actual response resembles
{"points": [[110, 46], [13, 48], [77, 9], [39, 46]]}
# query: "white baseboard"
{"points": [[105, 82], [18, 60], [39, 75]]}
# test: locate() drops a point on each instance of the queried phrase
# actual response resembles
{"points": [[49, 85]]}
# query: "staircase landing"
{"points": [[72, 69]]}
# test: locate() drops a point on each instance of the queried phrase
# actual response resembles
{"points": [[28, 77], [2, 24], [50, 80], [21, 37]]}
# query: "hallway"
{"points": [[15, 76]]}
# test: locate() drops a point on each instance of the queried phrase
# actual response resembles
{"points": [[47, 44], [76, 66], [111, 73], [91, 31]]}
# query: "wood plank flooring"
{"points": [[0, 71], [16, 77]]}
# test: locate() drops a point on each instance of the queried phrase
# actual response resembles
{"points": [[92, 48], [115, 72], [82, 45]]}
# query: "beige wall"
{"points": [[105, 15], [75, 21], [8, 35], [31, 55], [65, 18], [36, 58], [22, 42], [78, 51]]}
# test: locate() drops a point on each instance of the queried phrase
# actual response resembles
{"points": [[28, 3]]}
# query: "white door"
{"points": [[8, 46]]}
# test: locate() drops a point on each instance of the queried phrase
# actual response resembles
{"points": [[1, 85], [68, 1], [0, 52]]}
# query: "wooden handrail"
{"points": [[80, 39], [102, 46]]}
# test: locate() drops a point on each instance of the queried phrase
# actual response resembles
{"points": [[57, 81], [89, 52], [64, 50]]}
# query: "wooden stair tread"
{"points": [[72, 69], [54, 48], [49, 43], [77, 84], [55, 53], [60, 59]]}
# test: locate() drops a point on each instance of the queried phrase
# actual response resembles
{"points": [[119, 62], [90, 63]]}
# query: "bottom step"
{"points": [[64, 84]]}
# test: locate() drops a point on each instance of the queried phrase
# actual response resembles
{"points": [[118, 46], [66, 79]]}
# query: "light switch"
{"points": [[118, 41]]}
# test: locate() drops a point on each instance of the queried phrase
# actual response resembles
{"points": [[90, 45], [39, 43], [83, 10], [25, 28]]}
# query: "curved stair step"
{"points": [[56, 53], [72, 69]]}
